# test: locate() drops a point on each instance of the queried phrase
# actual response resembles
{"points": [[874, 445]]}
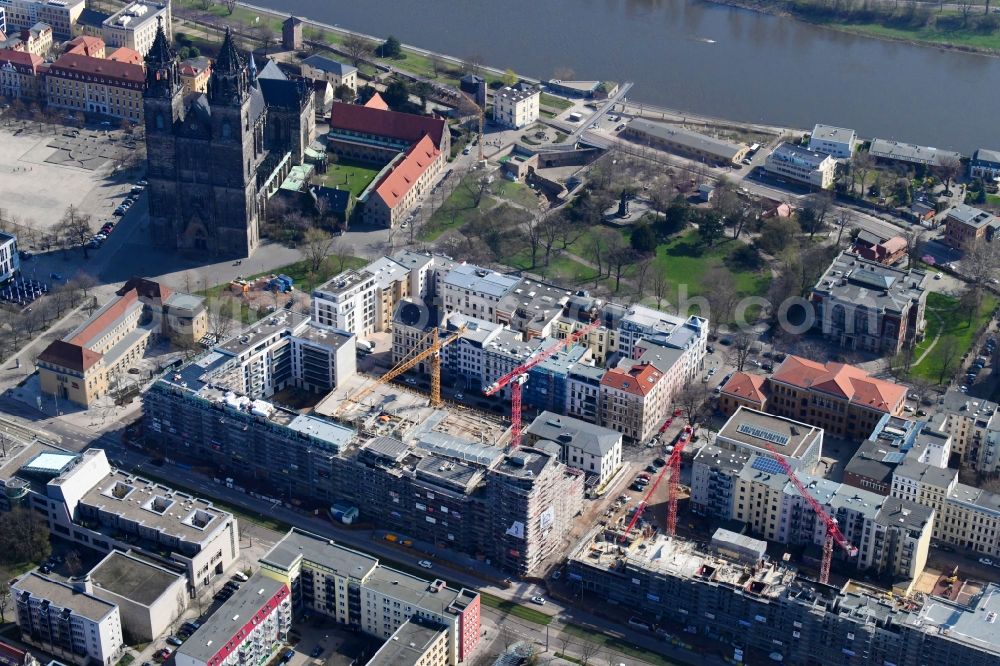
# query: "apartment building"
{"points": [[516, 107], [87, 501], [61, 15], [755, 432], [548, 382], [842, 399], [861, 304], [65, 622], [634, 400], [10, 260], [532, 307], [802, 165], [99, 86], [924, 484], [970, 423], [417, 642], [686, 333], [837, 142], [347, 302], [534, 500], [83, 366], [594, 450], [3, 20], [966, 225], [475, 291], [771, 609], [893, 441], [320, 68], [678, 140], [246, 629], [19, 75], [355, 590], [134, 26], [36, 40], [971, 520]]}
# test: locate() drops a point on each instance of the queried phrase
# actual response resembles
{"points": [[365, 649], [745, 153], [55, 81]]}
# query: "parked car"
{"points": [[241, 577], [985, 560], [426, 564], [538, 600], [287, 655], [173, 640]]}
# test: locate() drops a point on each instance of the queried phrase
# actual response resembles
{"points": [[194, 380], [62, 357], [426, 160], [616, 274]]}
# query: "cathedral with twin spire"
{"points": [[215, 157]]}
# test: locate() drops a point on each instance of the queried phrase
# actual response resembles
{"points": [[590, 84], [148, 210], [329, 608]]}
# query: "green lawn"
{"points": [[517, 193], [517, 610], [944, 317], [555, 102], [686, 261], [561, 269], [350, 175], [967, 38], [992, 200], [456, 210]]}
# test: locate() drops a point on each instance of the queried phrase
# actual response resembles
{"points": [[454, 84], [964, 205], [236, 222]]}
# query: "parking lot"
{"points": [[29, 177]]}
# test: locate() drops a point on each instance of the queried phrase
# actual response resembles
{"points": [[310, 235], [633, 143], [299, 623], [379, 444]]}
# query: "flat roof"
{"points": [[908, 152], [318, 550], [831, 133], [408, 644], [50, 463], [481, 280], [593, 439], [876, 286], [132, 578], [64, 596], [515, 94], [234, 614], [756, 429], [687, 138], [975, 624], [799, 156], [263, 329], [418, 592]]}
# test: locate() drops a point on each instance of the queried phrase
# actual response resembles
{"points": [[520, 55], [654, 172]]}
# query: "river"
{"points": [[708, 59]]}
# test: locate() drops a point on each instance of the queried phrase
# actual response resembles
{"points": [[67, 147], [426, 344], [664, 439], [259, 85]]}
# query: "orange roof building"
{"points": [[125, 54], [86, 45], [412, 148], [842, 399], [634, 400]]}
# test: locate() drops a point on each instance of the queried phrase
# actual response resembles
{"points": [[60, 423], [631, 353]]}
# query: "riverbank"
{"points": [[893, 27]]}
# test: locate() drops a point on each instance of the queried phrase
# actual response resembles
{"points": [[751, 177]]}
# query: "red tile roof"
{"points": [[20, 59], [111, 313], [402, 126], [85, 45], [146, 288], [746, 386], [125, 54], [376, 102], [398, 182], [841, 380], [637, 380], [69, 355], [111, 69]]}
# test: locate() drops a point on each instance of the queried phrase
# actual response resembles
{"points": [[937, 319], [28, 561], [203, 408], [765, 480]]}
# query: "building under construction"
{"points": [[729, 593]]}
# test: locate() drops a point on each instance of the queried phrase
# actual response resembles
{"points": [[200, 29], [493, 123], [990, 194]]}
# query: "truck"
{"points": [[574, 117], [281, 283], [364, 346], [344, 513]]}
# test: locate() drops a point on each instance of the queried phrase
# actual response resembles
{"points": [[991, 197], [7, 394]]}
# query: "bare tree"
{"points": [[722, 297], [4, 595], [74, 565], [76, 227], [691, 400], [741, 349], [660, 285], [220, 316], [949, 167], [477, 185], [437, 64], [473, 64], [533, 234], [341, 253], [948, 354], [588, 651], [316, 245], [913, 245], [862, 164], [618, 260], [644, 269], [358, 48], [230, 6]]}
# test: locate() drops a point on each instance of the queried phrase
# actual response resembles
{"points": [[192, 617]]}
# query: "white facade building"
{"points": [[838, 142], [66, 622], [475, 291], [61, 15], [516, 108], [10, 261], [134, 27], [595, 450], [347, 302], [802, 165]]}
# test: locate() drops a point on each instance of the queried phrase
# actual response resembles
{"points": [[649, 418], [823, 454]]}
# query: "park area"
{"points": [[951, 331]]}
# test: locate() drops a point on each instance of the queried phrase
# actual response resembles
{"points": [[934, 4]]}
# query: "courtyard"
{"points": [[350, 175]]}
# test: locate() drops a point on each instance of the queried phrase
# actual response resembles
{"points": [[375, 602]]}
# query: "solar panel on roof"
{"points": [[762, 433], [767, 465]]}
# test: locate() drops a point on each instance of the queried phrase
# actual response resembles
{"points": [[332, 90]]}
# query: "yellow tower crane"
{"points": [[433, 352]]}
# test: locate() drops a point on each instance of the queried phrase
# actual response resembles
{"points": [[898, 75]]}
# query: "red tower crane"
{"points": [[674, 467], [519, 375], [833, 533]]}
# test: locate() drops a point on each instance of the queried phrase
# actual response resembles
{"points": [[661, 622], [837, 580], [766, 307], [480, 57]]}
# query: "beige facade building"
{"points": [[634, 400], [84, 365], [195, 73], [803, 165], [61, 15], [36, 40], [321, 68], [19, 75], [417, 642], [91, 85]]}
